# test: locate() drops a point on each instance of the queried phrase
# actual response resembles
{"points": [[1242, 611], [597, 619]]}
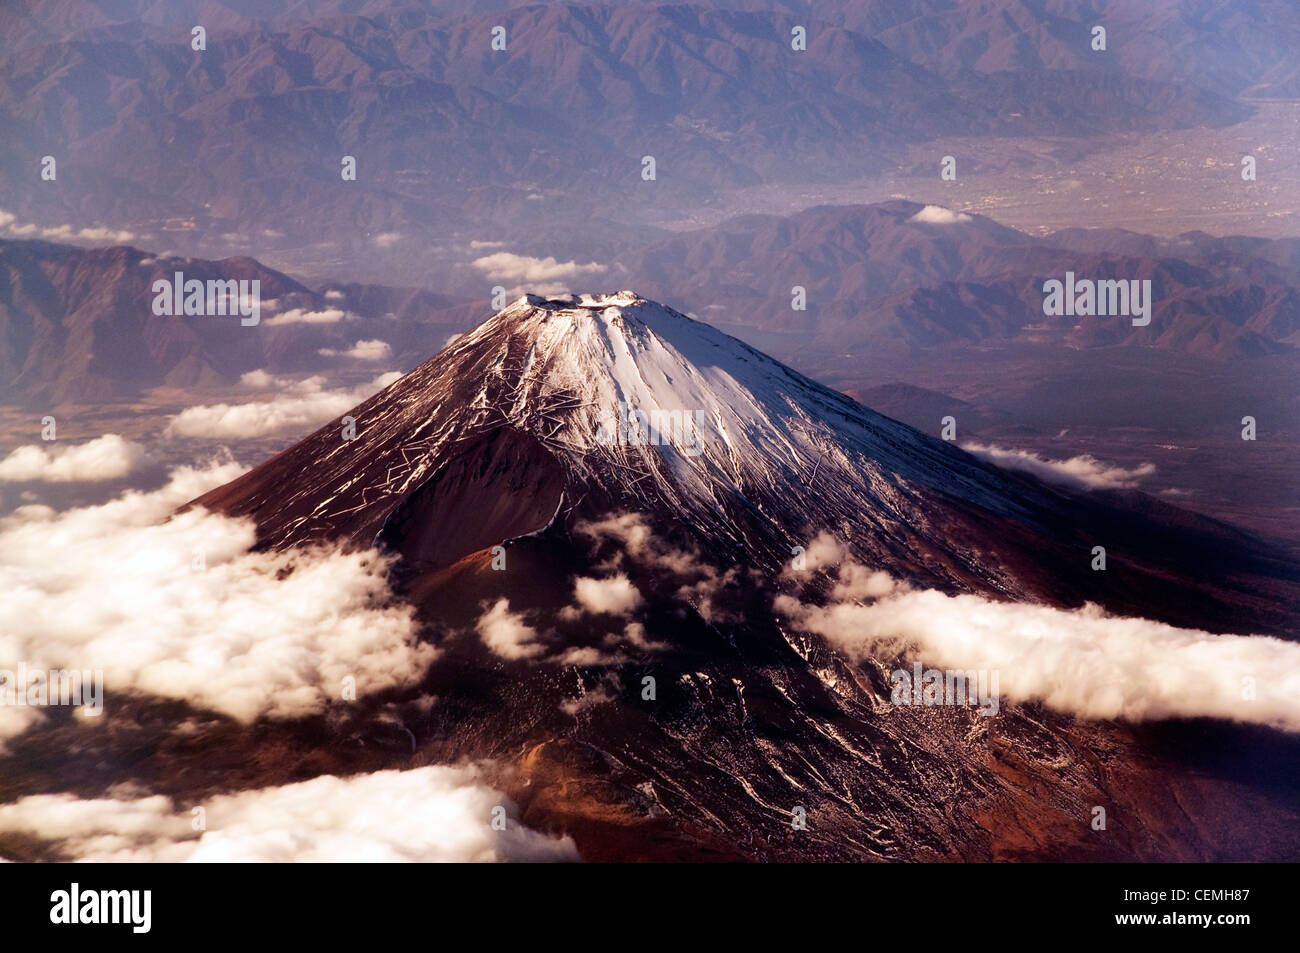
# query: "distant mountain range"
{"points": [[77, 324], [1179, 39], [248, 135], [894, 275]]}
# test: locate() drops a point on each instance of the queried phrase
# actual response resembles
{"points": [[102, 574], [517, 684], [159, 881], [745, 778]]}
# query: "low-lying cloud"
{"points": [[303, 316], [610, 601], [437, 813], [180, 606], [1081, 661], [1084, 472], [63, 233], [697, 582], [109, 457], [938, 215], [613, 596], [512, 636], [525, 270], [507, 634], [299, 406], [374, 350]]}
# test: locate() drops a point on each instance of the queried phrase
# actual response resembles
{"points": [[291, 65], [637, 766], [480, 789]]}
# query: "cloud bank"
{"points": [[303, 316], [373, 350], [1084, 472], [63, 233], [181, 607], [300, 406], [523, 269], [1080, 661], [109, 457], [439, 814]]}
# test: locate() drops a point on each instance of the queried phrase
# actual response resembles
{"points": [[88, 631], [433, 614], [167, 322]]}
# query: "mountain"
{"points": [[549, 379], [450, 135], [882, 282], [78, 324], [921, 407], [507, 445], [1182, 39], [898, 275]]}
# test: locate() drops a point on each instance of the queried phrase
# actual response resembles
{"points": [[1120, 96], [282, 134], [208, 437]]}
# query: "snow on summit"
{"points": [[703, 411], [616, 400]]}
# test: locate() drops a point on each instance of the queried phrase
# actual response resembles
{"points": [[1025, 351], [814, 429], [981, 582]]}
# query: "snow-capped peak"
{"points": [[631, 406], [615, 384]]}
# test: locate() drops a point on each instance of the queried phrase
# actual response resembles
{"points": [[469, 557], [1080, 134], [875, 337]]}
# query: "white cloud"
{"points": [[300, 406], [699, 584], [433, 814], [476, 245], [506, 633], [615, 595], [510, 636], [628, 530], [587, 655], [602, 694], [387, 239], [89, 234], [1082, 472], [105, 458], [334, 295], [63, 232], [1081, 661], [374, 350], [938, 215], [505, 266], [302, 316], [259, 379], [182, 607]]}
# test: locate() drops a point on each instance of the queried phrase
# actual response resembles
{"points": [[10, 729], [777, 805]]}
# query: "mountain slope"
{"points": [[78, 325], [501, 440], [753, 456]]}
